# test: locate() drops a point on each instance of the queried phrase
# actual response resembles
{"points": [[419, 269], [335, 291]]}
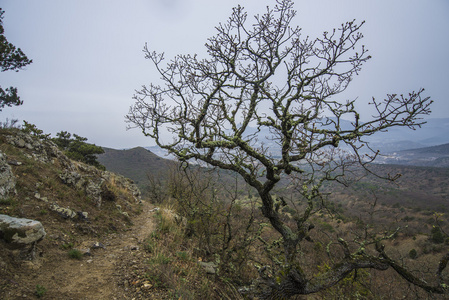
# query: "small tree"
{"points": [[32, 129], [76, 148], [436, 235], [11, 58], [266, 78]]}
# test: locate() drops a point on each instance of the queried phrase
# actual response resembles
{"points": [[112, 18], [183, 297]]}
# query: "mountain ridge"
{"points": [[135, 163]]}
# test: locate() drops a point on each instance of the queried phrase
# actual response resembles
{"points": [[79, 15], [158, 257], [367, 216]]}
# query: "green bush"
{"points": [[76, 148], [7, 201], [436, 235], [40, 291], [288, 209], [413, 254], [75, 254], [326, 226]]}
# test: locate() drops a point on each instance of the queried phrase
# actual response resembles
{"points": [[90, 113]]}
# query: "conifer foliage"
{"points": [[11, 58], [76, 148]]}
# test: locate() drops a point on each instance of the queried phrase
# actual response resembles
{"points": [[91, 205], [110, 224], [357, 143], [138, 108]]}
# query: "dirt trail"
{"points": [[103, 275]]}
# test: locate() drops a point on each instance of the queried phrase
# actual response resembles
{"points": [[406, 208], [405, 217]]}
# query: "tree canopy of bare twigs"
{"points": [[265, 76]]}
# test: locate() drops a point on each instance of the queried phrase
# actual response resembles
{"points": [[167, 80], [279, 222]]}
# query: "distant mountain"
{"points": [[135, 163], [435, 156], [394, 145], [160, 152], [438, 150], [434, 132]]}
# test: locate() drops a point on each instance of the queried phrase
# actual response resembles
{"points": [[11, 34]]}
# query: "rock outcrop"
{"points": [[41, 150], [68, 213], [87, 179], [7, 179], [70, 198], [83, 177]]}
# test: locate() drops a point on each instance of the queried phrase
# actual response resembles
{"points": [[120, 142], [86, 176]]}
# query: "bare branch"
{"points": [[261, 77]]}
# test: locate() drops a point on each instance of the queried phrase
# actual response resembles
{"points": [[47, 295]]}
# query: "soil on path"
{"points": [[104, 274]]}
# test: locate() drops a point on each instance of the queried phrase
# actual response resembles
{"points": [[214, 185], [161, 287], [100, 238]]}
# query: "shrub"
{"points": [[7, 201], [75, 254], [413, 254], [40, 291], [436, 235], [326, 226]]}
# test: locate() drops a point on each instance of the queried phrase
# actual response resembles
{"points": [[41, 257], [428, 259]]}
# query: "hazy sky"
{"points": [[88, 60]]}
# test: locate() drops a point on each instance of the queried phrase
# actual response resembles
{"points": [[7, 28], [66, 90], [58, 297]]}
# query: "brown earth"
{"points": [[106, 274]]}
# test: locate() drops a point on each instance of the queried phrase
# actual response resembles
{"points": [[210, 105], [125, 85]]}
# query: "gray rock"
{"points": [[90, 183], [119, 207], [20, 232], [68, 213], [209, 267], [7, 179], [98, 245], [14, 162], [42, 150], [93, 190], [70, 178], [20, 143], [78, 175], [86, 252], [82, 215]]}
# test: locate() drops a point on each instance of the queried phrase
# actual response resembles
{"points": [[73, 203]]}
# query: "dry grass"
{"points": [[173, 266]]}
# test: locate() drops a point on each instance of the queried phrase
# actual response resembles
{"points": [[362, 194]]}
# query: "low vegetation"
{"points": [[204, 217], [75, 254], [40, 291]]}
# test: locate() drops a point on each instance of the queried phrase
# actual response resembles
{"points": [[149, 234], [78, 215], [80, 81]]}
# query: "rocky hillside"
{"points": [[53, 209]]}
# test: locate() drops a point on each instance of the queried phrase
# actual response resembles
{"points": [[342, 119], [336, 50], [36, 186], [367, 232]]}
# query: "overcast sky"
{"points": [[88, 60]]}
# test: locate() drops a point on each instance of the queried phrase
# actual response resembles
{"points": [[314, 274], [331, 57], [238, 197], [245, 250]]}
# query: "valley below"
{"points": [[106, 241]]}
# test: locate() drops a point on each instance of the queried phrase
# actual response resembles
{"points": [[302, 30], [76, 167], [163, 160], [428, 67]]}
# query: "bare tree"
{"points": [[268, 77]]}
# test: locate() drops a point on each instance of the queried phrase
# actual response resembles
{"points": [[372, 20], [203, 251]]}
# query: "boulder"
{"points": [[20, 232], [209, 267]]}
